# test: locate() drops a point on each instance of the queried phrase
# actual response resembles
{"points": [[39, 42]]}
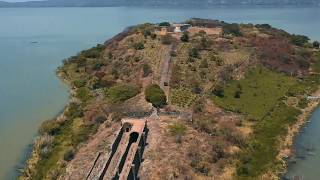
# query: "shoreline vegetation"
{"points": [[286, 147], [245, 86]]}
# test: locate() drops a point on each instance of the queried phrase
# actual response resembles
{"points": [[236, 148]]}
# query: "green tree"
{"points": [[299, 40], [194, 53], [233, 29], [146, 33], [205, 43], [68, 155], [316, 44], [264, 26], [167, 24], [178, 130], [238, 92], [185, 37], [218, 91], [155, 95], [138, 46], [153, 36], [146, 70]]}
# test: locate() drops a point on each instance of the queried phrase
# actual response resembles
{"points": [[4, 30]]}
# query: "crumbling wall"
{"points": [[133, 174], [113, 151]]}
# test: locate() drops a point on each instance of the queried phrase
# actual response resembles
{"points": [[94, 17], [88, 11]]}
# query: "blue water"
{"points": [[29, 90], [307, 155]]}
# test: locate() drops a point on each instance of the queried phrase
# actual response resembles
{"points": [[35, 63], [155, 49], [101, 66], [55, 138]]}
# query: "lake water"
{"points": [[306, 160], [30, 92]]}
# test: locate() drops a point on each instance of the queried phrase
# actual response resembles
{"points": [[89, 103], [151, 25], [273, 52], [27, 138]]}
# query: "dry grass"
{"points": [[209, 31], [236, 56]]}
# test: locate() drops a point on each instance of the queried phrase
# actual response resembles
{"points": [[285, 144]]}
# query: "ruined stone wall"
{"points": [[113, 151], [133, 174]]}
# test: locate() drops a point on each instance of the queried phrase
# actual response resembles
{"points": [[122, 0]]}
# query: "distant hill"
{"points": [[192, 3]]}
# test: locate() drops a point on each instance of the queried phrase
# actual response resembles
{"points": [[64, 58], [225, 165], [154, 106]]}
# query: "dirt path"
{"points": [[166, 69]]}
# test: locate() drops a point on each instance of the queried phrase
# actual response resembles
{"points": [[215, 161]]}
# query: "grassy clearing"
{"points": [[262, 149], [120, 93], [260, 95], [256, 94], [182, 97]]}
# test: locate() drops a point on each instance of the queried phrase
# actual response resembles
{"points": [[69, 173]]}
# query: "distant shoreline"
{"points": [[175, 6]]}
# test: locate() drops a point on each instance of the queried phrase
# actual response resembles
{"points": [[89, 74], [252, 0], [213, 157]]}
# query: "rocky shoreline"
{"points": [[34, 157], [286, 146]]}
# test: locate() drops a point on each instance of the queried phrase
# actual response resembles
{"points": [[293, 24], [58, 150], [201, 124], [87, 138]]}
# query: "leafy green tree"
{"points": [[177, 129], [237, 94], [146, 33], [299, 40], [94, 52], [238, 91], [194, 53], [218, 91], [233, 29], [316, 44], [138, 46], [146, 70], [103, 83], [153, 36], [155, 95], [68, 155], [264, 26], [167, 24], [204, 43], [185, 37]]}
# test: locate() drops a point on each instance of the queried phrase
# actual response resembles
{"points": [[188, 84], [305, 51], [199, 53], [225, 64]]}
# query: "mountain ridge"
{"points": [[171, 3]]}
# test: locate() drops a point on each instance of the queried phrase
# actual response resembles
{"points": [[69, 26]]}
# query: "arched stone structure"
{"points": [[127, 127]]}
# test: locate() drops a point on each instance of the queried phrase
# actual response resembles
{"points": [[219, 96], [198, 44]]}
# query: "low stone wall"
{"points": [[99, 175], [133, 174], [113, 151]]}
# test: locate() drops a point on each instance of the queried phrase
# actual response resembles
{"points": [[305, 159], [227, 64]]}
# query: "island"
{"points": [[201, 99]]}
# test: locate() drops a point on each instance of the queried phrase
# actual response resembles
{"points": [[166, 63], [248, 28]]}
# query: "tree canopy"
{"points": [[164, 24], [233, 29], [299, 40], [155, 95]]}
